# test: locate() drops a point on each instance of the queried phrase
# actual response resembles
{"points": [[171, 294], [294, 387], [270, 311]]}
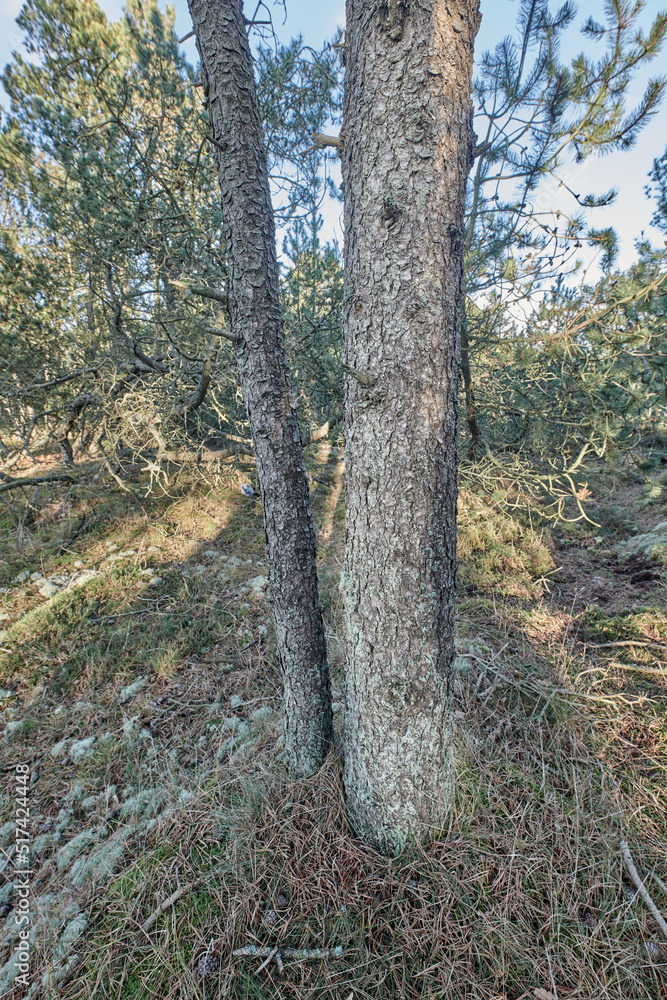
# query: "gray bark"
{"points": [[255, 319], [408, 139]]}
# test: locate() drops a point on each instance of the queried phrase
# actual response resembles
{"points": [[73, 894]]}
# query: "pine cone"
{"points": [[207, 966]]}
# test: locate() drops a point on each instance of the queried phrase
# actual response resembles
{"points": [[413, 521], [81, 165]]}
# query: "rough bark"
{"points": [[407, 149], [255, 319]]}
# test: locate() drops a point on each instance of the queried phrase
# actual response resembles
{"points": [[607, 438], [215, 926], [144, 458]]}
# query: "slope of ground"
{"points": [[141, 698]]}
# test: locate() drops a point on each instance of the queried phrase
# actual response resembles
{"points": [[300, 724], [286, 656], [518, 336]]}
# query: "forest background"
{"points": [[137, 648]]}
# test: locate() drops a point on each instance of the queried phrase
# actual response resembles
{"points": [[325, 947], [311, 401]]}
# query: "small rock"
{"points": [[155, 581], [124, 554], [83, 577]]}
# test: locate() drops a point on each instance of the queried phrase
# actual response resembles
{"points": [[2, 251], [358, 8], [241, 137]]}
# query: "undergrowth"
{"points": [[561, 744]]}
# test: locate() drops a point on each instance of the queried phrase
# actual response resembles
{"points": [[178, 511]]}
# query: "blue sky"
{"points": [[631, 214]]}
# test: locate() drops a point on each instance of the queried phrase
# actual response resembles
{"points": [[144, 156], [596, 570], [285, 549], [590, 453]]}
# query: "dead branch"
{"points": [[64, 546], [227, 334], [166, 905], [194, 401], [203, 290], [272, 954], [298, 954], [11, 483], [638, 669], [641, 888], [323, 141]]}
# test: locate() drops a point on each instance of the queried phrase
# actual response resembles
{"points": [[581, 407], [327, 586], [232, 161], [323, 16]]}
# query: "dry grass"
{"points": [[561, 751], [528, 873]]}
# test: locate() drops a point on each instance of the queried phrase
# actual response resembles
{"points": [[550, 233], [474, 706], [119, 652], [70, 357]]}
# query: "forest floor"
{"points": [[141, 695]]}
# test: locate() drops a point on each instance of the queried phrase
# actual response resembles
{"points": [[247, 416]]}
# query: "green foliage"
{"points": [[556, 373], [312, 294], [497, 552], [112, 216], [587, 373], [534, 113]]}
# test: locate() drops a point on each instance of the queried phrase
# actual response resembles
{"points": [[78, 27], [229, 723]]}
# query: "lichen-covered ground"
{"points": [[140, 690]]}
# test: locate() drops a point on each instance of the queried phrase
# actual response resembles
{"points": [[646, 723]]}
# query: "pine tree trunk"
{"points": [[254, 311], [407, 151]]}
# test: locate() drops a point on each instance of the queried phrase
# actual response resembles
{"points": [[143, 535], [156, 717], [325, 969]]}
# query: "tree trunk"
{"points": [[408, 139], [255, 318]]}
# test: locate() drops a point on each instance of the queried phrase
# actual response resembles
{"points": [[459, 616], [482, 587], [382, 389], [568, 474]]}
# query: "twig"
{"points": [[551, 975], [272, 954], [625, 642], [163, 907], [300, 954], [641, 888], [227, 334], [203, 290], [77, 531], [637, 669]]}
